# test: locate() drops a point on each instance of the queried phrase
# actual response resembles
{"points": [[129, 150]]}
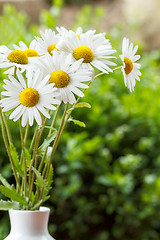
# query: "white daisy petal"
{"points": [[27, 99], [6, 62], [76, 91], [37, 116], [25, 117], [71, 97], [47, 41], [43, 110], [72, 73], [130, 69], [16, 111], [30, 114], [10, 106], [135, 58], [89, 46], [21, 79], [64, 95]]}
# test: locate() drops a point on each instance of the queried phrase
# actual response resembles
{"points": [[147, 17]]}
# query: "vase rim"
{"points": [[42, 209]]}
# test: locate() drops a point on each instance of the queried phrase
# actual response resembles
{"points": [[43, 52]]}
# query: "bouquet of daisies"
{"points": [[50, 76]]}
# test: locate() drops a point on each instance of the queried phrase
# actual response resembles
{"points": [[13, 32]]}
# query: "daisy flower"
{"points": [[13, 58], [62, 31], [94, 49], [30, 100], [130, 68], [79, 31], [67, 75], [31, 51], [47, 42]]}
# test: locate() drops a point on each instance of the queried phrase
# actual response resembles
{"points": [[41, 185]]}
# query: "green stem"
{"points": [[26, 133], [8, 150], [45, 152], [49, 134], [24, 158], [33, 139], [102, 73], [117, 68], [32, 163], [55, 144], [15, 71], [25, 139], [54, 120], [7, 129], [35, 157]]}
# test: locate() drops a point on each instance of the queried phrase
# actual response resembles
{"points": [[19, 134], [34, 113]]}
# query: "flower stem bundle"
{"points": [[46, 81]]}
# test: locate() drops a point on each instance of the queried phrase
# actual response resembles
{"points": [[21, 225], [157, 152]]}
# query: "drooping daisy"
{"points": [[28, 100], [94, 49], [47, 42], [67, 75], [130, 68], [13, 58]]}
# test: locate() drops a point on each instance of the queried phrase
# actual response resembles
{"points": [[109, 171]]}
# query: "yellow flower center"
{"points": [[78, 35], [128, 65], [18, 56], [60, 78], [51, 48], [31, 53], [83, 52], [29, 97]]}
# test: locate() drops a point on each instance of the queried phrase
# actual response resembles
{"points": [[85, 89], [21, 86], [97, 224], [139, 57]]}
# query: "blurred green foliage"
{"points": [[107, 176]]}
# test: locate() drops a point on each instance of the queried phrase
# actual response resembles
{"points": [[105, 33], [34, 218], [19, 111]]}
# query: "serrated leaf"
{"points": [[40, 181], [13, 195], [28, 157], [82, 104], [4, 181], [6, 205], [77, 122], [16, 160], [47, 142]]}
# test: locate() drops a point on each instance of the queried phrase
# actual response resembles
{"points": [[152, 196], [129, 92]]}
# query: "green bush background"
{"points": [[107, 175]]}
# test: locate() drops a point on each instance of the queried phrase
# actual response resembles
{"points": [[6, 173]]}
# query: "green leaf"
{"points": [[49, 182], [47, 142], [28, 157], [40, 181], [77, 122], [13, 195], [4, 181], [50, 177], [46, 198], [16, 160], [82, 104], [6, 205], [37, 205]]}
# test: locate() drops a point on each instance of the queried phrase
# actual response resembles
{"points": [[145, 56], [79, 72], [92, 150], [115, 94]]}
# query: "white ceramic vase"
{"points": [[29, 225]]}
